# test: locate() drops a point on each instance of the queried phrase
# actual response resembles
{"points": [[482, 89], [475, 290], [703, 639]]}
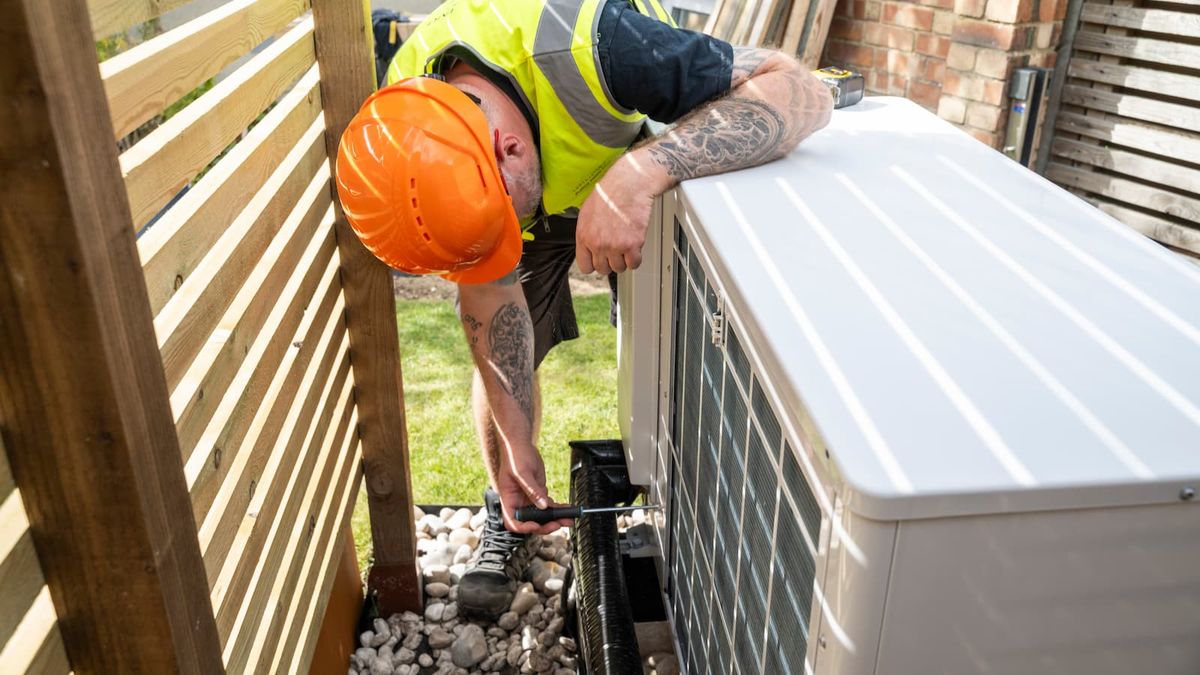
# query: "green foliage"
{"points": [[579, 401]]}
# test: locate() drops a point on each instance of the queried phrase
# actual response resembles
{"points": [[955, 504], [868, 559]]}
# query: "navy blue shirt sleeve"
{"points": [[660, 71]]}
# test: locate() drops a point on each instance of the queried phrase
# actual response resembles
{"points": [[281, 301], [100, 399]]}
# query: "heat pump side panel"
{"points": [[1086, 592], [747, 526], [638, 312]]}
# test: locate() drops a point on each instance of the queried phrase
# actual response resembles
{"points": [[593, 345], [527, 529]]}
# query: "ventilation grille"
{"points": [[742, 560]]}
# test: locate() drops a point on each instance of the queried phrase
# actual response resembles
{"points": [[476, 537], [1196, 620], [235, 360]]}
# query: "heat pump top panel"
{"points": [[965, 336]]}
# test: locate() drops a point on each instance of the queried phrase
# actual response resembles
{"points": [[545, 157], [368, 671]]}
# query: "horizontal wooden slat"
{"points": [[1142, 49], [256, 466], [29, 637], [1161, 230], [1130, 192], [142, 82], [20, 574], [1157, 141], [1129, 163], [171, 249], [255, 415], [160, 165], [309, 584], [291, 194], [36, 646], [308, 605], [205, 465], [1150, 20], [299, 538], [257, 540], [117, 16], [270, 267], [1134, 107], [261, 317], [1142, 79], [7, 485]]}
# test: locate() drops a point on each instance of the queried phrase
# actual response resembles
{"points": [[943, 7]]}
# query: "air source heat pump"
{"points": [[912, 409]]}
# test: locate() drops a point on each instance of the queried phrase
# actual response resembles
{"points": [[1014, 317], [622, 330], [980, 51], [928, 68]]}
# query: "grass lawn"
{"points": [[579, 400]]}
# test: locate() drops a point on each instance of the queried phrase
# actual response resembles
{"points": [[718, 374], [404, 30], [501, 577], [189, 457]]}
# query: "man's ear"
{"points": [[508, 147]]}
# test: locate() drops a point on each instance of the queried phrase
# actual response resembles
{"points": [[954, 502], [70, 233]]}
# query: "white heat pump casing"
{"points": [[1080, 566]]}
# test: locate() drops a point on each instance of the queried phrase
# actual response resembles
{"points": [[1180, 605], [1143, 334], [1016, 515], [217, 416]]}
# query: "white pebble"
{"points": [[434, 611], [459, 519], [437, 590]]}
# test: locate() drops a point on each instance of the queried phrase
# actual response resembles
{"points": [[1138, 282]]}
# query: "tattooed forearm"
{"points": [[746, 61], [472, 326], [733, 133], [772, 105], [510, 341]]}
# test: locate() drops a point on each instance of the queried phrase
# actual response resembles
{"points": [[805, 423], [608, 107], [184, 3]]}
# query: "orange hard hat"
{"points": [[419, 183]]}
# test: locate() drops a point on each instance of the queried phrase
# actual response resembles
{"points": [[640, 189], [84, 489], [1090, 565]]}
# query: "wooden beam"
{"points": [[344, 52], [87, 422], [1128, 191], [814, 38]]}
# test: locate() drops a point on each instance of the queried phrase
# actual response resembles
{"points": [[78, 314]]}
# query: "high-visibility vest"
{"points": [[547, 49]]}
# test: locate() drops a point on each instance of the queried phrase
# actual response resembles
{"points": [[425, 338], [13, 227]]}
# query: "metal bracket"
{"points": [[718, 323]]}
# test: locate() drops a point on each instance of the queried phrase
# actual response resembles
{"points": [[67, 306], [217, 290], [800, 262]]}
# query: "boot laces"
{"points": [[498, 546]]}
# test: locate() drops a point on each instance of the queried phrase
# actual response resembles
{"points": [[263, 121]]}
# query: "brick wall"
{"points": [[952, 56]]}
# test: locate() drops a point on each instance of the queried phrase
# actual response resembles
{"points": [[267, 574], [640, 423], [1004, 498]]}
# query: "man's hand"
{"points": [[520, 481], [772, 105], [612, 223]]}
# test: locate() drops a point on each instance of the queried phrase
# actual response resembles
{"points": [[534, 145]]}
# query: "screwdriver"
{"points": [[532, 514]]}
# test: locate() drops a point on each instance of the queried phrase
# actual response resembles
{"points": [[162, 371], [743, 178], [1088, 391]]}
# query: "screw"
{"points": [[822, 642], [1187, 494]]}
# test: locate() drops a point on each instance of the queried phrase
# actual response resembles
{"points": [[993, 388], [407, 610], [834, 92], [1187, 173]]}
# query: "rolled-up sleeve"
{"points": [[660, 71]]}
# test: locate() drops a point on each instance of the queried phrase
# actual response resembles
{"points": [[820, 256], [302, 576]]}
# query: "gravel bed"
{"points": [[526, 639]]}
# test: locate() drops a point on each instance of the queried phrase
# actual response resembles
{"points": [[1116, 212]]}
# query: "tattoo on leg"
{"points": [[732, 133], [510, 340]]}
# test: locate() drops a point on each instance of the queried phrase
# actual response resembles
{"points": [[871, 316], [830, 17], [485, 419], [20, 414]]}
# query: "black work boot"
{"points": [[486, 589]]}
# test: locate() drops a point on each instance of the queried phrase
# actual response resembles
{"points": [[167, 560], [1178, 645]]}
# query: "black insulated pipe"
{"points": [[605, 633]]}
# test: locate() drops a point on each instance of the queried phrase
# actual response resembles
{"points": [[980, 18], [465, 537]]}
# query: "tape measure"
{"points": [[847, 86]]}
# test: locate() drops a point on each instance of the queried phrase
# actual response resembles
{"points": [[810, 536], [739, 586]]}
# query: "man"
{"points": [[563, 85]]}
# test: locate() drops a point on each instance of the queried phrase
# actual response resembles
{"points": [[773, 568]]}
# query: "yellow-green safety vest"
{"points": [[547, 49]]}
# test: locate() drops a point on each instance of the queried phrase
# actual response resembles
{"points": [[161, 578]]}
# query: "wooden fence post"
{"points": [[347, 66], [83, 399]]}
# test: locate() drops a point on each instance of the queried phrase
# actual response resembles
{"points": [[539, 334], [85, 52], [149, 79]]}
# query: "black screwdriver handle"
{"points": [[532, 514]]}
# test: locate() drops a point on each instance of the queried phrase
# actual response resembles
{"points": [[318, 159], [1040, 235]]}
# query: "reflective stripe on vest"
{"points": [[547, 49]]}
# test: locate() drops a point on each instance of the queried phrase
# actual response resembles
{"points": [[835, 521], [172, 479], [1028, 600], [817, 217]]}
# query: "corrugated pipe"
{"points": [[606, 638]]}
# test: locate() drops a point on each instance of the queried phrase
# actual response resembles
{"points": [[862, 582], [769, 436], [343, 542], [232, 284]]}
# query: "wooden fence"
{"points": [[199, 357], [1127, 131]]}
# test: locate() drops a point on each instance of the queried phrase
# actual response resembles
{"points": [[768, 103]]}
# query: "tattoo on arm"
{"points": [[732, 133], [746, 61], [472, 326], [510, 340]]}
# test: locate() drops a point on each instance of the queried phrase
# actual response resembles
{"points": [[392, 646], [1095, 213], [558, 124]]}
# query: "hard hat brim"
{"points": [[502, 259]]}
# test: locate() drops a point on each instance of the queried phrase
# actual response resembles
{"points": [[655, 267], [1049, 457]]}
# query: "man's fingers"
{"points": [[537, 494], [633, 260], [616, 263], [583, 258]]}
